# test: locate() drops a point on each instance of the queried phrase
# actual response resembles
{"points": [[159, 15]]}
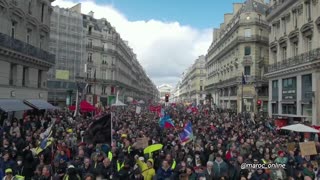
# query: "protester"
{"points": [[197, 143]]}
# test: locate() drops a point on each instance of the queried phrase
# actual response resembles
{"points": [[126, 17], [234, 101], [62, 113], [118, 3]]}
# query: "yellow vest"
{"points": [[110, 155], [119, 166], [173, 165]]}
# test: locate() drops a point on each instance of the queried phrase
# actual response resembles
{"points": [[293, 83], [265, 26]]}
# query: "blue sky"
{"points": [[207, 14], [167, 35]]}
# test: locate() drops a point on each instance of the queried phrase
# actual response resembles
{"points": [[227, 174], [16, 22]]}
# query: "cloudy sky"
{"points": [[166, 35]]}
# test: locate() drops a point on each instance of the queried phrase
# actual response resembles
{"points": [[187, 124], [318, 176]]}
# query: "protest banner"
{"points": [[308, 148]]}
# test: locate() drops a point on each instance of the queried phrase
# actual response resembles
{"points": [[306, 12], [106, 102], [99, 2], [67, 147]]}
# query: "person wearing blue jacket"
{"points": [[165, 171]]}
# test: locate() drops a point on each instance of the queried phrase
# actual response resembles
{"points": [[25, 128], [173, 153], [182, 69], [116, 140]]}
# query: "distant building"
{"points": [[239, 47], [164, 89], [67, 42], [90, 51], [294, 51], [193, 82], [24, 52]]}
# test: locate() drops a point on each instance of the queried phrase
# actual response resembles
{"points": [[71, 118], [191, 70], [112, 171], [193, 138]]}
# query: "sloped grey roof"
{"points": [[254, 6]]}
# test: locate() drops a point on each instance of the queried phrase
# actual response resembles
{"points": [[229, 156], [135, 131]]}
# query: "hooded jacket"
{"points": [[147, 173]]}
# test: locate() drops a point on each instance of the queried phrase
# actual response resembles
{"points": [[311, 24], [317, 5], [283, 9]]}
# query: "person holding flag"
{"points": [[187, 135]]}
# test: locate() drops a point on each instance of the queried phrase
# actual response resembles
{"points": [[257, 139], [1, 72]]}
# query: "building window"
{"points": [[289, 109], [308, 11], [89, 89], [274, 30], [103, 90], [284, 26], [295, 49], [284, 53], [260, 32], [308, 44], [89, 57], [247, 51], [90, 43], [90, 30], [247, 70], [25, 76], [289, 83], [89, 71], [200, 88], [275, 90], [39, 78], [274, 108], [42, 12], [41, 41], [29, 32], [30, 7], [104, 74], [260, 52], [13, 28], [307, 87], [295, 19], [113, 61], [104, 60], [13, 74], [247, 32]]}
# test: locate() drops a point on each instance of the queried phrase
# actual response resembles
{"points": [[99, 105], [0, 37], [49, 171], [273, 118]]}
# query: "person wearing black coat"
{"points": [[105, 169]]}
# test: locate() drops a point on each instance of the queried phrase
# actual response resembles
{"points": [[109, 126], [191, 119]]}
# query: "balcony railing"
{"points": [[296, 60], [25, 48], [278, 6]]}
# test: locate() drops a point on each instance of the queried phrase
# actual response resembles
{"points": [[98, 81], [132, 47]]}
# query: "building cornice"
{"points": [[238, 40]]}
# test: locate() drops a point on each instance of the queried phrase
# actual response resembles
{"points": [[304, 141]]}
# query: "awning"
{"points": [[39, 104], [11, 105]]}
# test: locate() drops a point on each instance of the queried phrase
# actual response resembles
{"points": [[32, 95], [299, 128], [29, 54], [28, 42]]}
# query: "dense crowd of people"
{"points": [[222, 142]]}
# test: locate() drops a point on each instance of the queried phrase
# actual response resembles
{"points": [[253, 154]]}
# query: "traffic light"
{"points": [[259, 104], [167, 98]]}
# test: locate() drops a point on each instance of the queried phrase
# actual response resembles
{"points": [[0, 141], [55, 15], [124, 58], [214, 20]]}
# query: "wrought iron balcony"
{"points": [[25, 48], [278, 7], [296, 60]]}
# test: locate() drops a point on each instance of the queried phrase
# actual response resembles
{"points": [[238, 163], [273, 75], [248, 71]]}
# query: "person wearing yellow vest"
{"points": [[110, 155], [147, 170], [9, 175], [174, 164]]}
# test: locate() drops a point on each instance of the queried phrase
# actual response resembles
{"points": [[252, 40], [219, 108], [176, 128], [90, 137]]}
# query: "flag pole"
{"points": [[242, 109]]}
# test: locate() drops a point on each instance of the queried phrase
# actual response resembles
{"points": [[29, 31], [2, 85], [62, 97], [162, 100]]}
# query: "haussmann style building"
{"points": [[294, 60], [24, 52], [95, 55], [193, 82], [239, 47]]}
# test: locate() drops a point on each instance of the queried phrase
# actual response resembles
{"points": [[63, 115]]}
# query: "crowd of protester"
{"points": [[222, 141]]}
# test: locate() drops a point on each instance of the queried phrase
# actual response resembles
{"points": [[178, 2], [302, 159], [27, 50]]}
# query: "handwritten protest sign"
{"points": [[142, 143], [308, 148]]}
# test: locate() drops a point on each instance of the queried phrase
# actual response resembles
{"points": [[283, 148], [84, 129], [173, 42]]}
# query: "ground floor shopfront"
{"points": [[230, 98], [296, 96]]}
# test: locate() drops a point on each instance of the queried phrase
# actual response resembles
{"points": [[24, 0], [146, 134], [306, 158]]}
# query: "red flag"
{"points": [[168, 125]]}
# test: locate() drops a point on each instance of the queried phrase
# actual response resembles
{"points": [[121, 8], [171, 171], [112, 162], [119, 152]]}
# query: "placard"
{"points": [[138, 109], [291, 146], [142, 143], [308, 148]]}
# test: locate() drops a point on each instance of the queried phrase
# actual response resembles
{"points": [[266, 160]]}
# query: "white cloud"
{"points": [[164, 49]]}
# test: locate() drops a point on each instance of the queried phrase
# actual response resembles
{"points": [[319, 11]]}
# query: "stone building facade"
{"points": [[24, 56], [294, 60], [239, 47]]}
